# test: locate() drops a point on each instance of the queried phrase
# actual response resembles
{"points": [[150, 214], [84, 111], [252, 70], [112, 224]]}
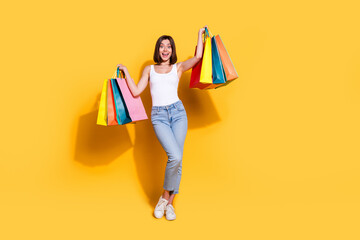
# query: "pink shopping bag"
{"points": [[134, 104]]}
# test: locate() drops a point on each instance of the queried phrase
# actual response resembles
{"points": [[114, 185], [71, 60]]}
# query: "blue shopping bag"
{"points": [[218, 73], [122, 113]]}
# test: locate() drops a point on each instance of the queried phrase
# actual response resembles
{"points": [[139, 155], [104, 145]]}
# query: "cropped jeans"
{"points": [[170, 125]]}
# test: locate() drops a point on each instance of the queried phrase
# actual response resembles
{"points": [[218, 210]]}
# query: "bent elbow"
{"points": [[135, 94]]}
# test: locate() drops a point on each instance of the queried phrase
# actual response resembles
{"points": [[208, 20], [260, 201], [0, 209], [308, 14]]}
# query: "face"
{"points": [[165, 50]]}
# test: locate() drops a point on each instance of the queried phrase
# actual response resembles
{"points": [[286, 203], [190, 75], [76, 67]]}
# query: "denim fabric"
{"points": [[170, 125]]}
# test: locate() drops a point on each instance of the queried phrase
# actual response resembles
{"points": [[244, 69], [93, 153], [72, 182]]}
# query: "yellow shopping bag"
{"points": [[206, 68], [102, 114]]}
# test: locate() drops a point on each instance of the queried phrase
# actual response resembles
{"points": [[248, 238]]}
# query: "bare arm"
{"points": [[136, 90], [186, 65]]}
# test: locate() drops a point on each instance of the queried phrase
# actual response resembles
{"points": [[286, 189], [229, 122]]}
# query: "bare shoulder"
{"points": [[147, 69], [178, 65]]}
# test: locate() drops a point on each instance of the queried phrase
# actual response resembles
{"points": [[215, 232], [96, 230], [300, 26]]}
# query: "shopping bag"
{"points": [[216, 68], [229, 68], [111, 113], [206, 68], [122, 114], [134, 105], [218, 76], [208, 73], [195, 76], [102, 113]]}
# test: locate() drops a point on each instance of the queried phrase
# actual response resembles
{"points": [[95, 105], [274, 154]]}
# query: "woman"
{"points": [[168, 115]]}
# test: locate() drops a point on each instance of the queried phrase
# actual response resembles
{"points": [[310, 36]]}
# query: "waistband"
{"points": [[173, 105]]}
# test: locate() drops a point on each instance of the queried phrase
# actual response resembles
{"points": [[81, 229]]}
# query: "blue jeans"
{"points": [[170, 125]]}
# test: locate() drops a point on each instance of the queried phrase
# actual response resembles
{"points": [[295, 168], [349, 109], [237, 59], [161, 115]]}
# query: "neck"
{"points": [[167, 62]]}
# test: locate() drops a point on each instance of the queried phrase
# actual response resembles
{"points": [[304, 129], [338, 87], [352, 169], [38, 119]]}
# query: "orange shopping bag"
{"points": [[229, 68]]}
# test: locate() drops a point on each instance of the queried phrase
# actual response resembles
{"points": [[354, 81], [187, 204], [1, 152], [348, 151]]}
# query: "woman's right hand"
{"points": [[122, 67]]}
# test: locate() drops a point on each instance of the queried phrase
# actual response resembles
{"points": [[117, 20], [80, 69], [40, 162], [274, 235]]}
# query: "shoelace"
{"points": [[170, 207], [162, 204]]}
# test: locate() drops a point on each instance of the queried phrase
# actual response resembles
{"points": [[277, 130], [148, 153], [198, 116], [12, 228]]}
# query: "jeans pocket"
{"points": [[154, 112]]}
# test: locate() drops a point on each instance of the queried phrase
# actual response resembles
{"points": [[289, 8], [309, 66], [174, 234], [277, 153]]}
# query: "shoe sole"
{"points": [[158, 217], [169, 219]]}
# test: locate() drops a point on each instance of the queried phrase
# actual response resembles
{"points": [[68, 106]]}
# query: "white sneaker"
{"points": [[170, 212], [160, 207]]}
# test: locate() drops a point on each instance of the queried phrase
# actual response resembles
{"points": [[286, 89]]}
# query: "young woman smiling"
{"points": [[168, 115]]}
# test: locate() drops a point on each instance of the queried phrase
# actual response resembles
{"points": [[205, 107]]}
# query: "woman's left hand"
{"points": [[202, 30]]}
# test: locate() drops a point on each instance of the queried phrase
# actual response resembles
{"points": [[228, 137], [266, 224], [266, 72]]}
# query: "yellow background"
{"points": [[273, 155]]}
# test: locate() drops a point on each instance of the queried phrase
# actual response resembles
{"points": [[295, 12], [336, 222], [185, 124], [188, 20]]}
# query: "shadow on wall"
{"points": [[200, 109], [99, 145], [150, 158]]}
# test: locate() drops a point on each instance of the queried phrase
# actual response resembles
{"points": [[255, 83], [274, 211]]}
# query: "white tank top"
{"points": [[164, 87]]}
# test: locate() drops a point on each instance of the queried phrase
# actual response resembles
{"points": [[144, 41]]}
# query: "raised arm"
{"points": [[186, 65], [136, 90]]}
